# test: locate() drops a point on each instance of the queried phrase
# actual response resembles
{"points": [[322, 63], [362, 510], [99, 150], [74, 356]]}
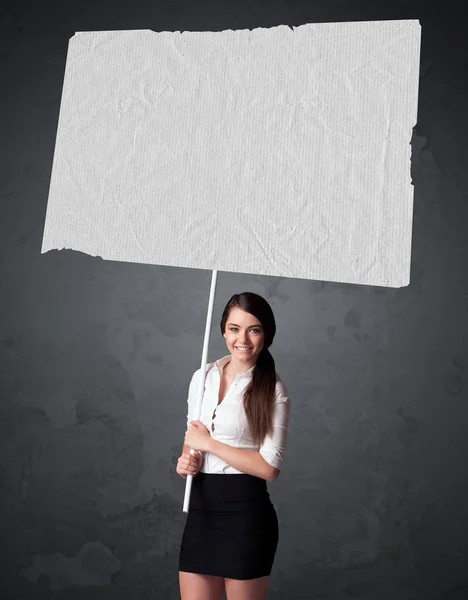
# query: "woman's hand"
{"points": [[189, 464], [197, 436]]}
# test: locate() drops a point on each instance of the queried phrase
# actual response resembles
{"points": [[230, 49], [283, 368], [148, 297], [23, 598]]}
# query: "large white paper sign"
{"points": [[272, 151]]}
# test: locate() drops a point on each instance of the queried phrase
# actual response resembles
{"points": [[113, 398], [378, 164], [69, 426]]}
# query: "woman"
{"points": [[231, 531]]}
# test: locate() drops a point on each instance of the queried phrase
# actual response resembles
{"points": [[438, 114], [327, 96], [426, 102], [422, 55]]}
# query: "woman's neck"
{"points": [[232, 371]]}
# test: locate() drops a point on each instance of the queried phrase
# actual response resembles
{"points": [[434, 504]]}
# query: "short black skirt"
{"points": [[231, 528]]}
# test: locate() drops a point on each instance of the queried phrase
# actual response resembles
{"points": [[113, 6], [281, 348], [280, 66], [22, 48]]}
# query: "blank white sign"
{"points": [[270, 152]]}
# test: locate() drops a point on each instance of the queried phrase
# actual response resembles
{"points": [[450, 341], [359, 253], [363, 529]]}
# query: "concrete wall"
{"points": [[96, 358]]}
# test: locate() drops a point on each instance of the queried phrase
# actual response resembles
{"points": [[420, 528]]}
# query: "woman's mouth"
{"points": [[243, 349]]}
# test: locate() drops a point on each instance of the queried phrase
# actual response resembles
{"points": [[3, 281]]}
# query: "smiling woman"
{"points": [[231, 533]]}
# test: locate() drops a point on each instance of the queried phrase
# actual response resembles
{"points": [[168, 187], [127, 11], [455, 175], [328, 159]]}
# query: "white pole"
{"points": [[206, 341]]}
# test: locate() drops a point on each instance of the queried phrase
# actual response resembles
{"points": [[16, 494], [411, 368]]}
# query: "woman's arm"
{"points": [[247, 461]]}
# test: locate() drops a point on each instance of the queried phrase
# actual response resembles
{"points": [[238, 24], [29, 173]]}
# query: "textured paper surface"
{"points": [[270, 152]]}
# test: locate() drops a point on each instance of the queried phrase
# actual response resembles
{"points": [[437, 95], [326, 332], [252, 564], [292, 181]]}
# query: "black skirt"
{"points": [[231, 528]]}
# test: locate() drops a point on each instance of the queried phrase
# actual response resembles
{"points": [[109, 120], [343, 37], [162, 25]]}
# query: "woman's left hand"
{"points": [[197, 436]]}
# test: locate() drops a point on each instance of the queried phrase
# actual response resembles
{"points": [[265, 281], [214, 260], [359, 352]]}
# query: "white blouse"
{"points": [[228, 423]]}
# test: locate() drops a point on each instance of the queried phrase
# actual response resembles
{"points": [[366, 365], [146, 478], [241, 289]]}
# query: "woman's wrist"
{"points": [[209, 445]]}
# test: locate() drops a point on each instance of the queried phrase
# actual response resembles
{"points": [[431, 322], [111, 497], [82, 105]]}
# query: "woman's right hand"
{"points": [[189, 464]]}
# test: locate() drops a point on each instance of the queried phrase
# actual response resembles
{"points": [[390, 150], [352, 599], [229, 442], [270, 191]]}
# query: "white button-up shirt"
{"points": [[230, 421]]}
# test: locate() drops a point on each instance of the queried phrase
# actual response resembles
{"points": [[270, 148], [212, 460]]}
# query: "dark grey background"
{"points": [[96, 357]]}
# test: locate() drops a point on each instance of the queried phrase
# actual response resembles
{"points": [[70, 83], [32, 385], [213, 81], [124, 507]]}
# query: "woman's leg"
{"points": [[200, 587], [246, 589]]}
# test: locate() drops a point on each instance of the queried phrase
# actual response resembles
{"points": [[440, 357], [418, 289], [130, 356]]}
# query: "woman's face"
{"points": [[243, 329]]}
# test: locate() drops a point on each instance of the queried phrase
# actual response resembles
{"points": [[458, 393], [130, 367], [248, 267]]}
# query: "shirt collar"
{"points": [[221, 362]]}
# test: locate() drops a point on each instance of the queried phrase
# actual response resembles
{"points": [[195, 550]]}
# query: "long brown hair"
{"points": [[260, 392]]}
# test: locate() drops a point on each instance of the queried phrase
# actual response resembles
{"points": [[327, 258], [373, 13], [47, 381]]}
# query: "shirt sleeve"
{"points": [[274, 446], [191, 398], [193, 391]]}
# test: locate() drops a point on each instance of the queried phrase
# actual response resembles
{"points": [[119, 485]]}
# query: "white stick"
{"points": [[201, 389]]}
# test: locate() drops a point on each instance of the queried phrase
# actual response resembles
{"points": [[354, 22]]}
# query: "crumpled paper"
{"points": [[273, 151]]}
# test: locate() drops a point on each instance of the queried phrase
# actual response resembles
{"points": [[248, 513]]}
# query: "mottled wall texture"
{"points": [[96, 357]]}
